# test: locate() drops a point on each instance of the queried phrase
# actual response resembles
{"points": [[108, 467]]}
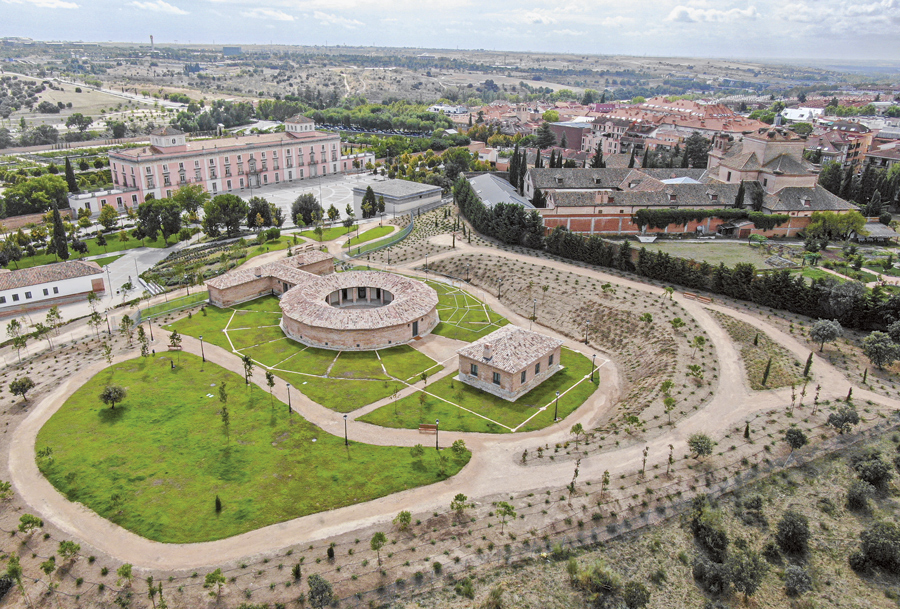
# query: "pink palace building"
{"points": [[221, 165]]}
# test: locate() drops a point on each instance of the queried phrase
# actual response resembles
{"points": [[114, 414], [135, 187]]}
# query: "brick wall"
{"points": [[357, 340], [511, 386]]}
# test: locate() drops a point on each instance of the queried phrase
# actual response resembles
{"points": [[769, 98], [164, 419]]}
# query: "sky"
{"points": [[760, 29]]}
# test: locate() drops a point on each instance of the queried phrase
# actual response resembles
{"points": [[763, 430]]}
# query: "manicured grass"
{"points": [[274, 352], [328, 234], [369, 235], [861, 275], [176, 303], [282, 243], [463, 316], [112, 245], [243, 339], [728, 252], [155, 464], [309, 361], [341, 395], [358, 365], [266, 303], [405, 363], [410, 411], [209, 326], [107, 260]]}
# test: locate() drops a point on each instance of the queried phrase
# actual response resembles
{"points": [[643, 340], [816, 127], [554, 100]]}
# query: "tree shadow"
{"points": [[111, 415]]}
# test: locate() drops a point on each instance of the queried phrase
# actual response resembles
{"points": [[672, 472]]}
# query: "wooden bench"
{"points": [[171, 348], [703, 299], [427, 428]]}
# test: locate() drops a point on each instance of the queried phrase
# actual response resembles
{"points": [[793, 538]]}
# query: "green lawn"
{"points": [[369, 235], [355, 378], [727, 252], [328, 234], [341, 395], [107, 260], [112, 245], [405, 363], [501, 416], [176, 303], [155, 464], [463, 316]]}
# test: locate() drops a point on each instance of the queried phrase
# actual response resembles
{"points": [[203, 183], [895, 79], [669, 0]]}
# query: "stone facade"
{"points": [[358, 340], [509, 362]]}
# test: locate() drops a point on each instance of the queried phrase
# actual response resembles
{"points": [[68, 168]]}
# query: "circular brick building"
{"points": [[358, 310]]}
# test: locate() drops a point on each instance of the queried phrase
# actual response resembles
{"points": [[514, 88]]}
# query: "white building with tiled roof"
{"points": [[220, 165], [47, 285], [509, 362]]}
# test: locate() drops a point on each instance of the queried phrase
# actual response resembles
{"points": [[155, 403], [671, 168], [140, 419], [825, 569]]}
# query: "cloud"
{"points": [[45, 3], [690, 14], [568, 33], [159, 6], [330, 19], [267, 13], [538, 17]]}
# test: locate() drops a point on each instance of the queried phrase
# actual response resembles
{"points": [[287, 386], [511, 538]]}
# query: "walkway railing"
{"points": [[374, 246]]}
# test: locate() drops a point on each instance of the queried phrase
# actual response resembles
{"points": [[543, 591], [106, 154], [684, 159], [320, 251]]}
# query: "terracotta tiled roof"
{"points": [[285, 270], [48, 273], [511, 348], [306, 303], [167, 130]]}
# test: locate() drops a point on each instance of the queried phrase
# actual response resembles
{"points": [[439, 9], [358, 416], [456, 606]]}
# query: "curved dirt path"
{"points": [[494, 467]]}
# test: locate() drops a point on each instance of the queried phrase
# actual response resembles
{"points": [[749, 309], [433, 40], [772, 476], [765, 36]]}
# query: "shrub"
{"points": [[713, 577], [796, 581], [858, 495], [880, 547], [793, 533], [184, 234], [635, 595], [872, 467], [465, 588], [706, 525], [273, 233]]}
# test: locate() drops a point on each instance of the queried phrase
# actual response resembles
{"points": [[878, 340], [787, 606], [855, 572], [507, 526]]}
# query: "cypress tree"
{"points": [[765, 377], [756, 340], [514, 167], [218, 504], [563, 142], [537, 160], [646, 158], [747, 431], [60, 241], [809, 365], [597, 161], [71, 182], [685, 160], [739, 199], [523, 168], [631, 159]]}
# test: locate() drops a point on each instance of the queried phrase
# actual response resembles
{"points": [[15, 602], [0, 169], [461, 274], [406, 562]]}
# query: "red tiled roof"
{"points": [[48, 273]]}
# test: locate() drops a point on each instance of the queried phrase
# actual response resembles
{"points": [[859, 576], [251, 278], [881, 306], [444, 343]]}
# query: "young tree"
{"points": [[270, 381], [698, 343], [42, 331], [504, 511], [880, 349], [16, 331], [175, 340], [701, 445], [825, 331], [108, 217], [248, 368], [577, 430], [107, 353], [320, 591], [126, 327], [844, 419], [417, 451], [795, 438], [29, 523], [403, 520], [669, 406], [14, 572], [113, 394], [124, 572], [377, 542], [215, 579], [68, 549], [54, 319], [460, 504], [144, 341], [21, 386]]}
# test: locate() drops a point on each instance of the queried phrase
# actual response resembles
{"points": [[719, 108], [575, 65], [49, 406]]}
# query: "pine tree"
{"points": [[70, 177], [60, 240]]}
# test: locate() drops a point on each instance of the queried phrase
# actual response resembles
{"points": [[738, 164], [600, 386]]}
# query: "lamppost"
{"points": [[289, 399], [533, 314], [426, 267], [556, 409], [499, 286], [202, 353], [108, 327], [593, 365], [150, 325], [346, 441], [436, 423], [467, 273]]}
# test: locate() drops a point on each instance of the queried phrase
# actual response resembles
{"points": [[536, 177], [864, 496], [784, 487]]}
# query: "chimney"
{"points": [[488, 351]]}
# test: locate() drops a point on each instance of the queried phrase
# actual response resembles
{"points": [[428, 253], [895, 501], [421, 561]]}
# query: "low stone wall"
{"points": [[241, 293], [357, 340]]}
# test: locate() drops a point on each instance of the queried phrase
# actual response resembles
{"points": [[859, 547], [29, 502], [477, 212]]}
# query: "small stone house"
{"points": [[509, 362]]}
